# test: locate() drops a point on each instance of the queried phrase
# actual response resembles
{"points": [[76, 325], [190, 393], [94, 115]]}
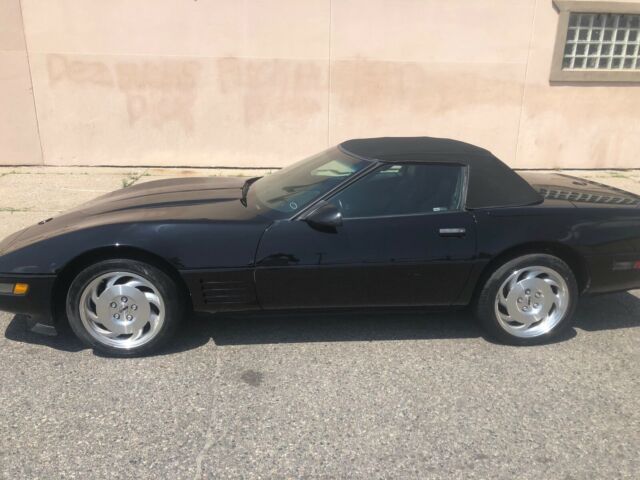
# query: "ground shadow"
{"points": [[608, 312], [357, 326], [65, 341], [598, 313]]}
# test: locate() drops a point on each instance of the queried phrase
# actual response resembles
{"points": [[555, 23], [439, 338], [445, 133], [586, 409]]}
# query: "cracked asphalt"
{"points": [[359, 395]]}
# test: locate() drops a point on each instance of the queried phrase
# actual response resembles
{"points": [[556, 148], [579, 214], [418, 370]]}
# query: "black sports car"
{"points": [[383, 222]]}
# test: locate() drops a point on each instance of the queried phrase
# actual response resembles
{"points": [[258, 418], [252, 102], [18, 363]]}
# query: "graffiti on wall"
{"points": [[159, 91]]}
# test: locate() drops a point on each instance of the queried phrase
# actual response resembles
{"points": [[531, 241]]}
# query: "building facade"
{"points": [[261, 83]]}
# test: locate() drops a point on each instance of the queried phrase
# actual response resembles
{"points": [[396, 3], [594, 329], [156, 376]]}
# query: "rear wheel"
{"points": [[124, 307], [528, 300]]}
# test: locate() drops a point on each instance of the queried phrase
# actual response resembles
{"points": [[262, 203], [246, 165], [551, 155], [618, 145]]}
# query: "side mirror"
{"points": [[326, 218]]}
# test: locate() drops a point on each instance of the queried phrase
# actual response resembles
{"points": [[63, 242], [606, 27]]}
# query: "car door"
{"points": [[405, 240]]}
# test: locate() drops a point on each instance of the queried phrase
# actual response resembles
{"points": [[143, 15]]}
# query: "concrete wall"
{"points": [[256, 83], [19, 140]]}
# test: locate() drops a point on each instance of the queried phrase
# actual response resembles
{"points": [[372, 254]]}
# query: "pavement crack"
{"points": [[200, 458], [208, 438]]}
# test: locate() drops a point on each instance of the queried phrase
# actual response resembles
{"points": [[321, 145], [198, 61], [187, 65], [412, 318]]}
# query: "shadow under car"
{"points": [[608, 312]]}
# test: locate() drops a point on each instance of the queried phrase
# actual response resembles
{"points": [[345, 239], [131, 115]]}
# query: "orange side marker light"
{"points": [[20, 289]]}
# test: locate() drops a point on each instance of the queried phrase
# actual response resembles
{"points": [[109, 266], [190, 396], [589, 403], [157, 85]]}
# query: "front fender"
{"points": [[185, 245]]}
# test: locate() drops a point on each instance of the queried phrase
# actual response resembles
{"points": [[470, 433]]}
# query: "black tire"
{"points": [[169, 292], [485, 307]]}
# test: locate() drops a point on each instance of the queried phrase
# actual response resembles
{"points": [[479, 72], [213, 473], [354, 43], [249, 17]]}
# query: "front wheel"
{"points": [[124, 307], [528, 300]]}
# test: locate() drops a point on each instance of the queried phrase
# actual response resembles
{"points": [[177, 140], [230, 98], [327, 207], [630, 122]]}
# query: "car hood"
{"points": [[198, 199], [167, 194]]}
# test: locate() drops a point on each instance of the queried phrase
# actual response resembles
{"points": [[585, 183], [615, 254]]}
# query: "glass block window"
{"points": [[602, 41]]}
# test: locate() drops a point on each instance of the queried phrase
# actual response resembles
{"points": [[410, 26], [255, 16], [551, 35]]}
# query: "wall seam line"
{"points": [[33, 91], [524, 81], [329, 79]]}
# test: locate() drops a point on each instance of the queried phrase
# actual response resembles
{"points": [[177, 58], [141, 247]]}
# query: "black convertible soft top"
{"points": [[491, 182]]}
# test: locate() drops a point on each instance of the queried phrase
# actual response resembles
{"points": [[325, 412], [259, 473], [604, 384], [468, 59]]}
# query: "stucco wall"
{"points": [[255, 83], [19, 141]]}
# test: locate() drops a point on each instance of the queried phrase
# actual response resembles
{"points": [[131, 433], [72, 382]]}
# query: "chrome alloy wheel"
{"points": [[122, 310], [531, 301]]}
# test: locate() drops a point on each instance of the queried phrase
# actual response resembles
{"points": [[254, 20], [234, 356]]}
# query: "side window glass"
{"points": [[403, 189]]}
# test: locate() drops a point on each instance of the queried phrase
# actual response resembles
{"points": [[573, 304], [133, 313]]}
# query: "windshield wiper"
{"points": [[245, 189]]}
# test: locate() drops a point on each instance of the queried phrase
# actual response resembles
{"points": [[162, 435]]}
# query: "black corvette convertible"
{"points": [[385, 222]]}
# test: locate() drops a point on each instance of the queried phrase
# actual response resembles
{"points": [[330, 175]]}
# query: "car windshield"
{"points": [[296, 186]]}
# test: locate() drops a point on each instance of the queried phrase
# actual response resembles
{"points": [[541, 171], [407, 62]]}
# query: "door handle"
{"points": [[453, 232]]}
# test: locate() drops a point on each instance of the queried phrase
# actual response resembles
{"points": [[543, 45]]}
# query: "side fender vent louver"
{"points": [[227, 292]]}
